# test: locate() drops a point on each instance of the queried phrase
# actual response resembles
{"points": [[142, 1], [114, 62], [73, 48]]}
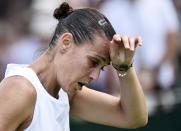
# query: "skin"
{"points": [[63, 67]]}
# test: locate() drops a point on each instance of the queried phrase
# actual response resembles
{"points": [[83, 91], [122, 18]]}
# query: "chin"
{"points": [[70, 88], [66, 89]]}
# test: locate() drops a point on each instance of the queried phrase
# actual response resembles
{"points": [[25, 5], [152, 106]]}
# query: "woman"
{"points": [[40, 96]]}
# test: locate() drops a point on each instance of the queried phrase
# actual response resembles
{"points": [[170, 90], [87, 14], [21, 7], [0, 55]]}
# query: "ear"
{"points": [[65, 41]]}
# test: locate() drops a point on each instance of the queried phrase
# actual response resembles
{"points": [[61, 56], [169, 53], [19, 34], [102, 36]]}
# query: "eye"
{"points": [[94, 63]]}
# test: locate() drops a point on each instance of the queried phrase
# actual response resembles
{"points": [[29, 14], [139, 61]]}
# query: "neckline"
{"points": [[42, 87]]}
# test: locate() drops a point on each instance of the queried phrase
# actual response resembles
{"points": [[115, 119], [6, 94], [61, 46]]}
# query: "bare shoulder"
{"points": [[18, 84], [17, 101], [18, 89]]}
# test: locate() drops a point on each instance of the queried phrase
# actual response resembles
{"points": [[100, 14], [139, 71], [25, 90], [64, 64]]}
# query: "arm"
{"points": [[128, 111], [17, 101], [132, 100]]}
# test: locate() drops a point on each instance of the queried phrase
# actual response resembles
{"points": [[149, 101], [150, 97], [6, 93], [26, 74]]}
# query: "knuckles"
{"points": [[122, 48]]}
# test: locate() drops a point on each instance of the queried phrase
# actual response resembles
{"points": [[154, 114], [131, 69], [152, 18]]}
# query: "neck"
{"points": [[43, 67]]}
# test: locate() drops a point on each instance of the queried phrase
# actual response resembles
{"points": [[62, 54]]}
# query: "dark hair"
{"points": [[81, 23]]}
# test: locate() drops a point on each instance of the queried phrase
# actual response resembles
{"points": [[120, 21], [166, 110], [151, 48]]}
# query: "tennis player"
{"points": [[42, 95]]}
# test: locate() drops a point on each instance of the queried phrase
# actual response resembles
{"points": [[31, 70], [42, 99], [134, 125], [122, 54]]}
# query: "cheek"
{"points": [[83, 68], [77, 69]]}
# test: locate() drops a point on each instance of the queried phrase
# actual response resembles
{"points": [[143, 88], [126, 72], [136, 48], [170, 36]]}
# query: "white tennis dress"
{"points": [[50, 114]]}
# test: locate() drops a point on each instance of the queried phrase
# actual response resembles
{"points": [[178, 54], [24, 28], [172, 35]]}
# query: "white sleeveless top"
{"points": [[50, 114]]}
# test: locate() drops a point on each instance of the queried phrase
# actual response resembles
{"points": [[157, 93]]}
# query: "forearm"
{"points": [[132, 98]]}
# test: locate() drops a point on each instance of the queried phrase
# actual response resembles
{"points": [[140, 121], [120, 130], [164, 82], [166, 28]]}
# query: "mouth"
{"points": [[81, 84]]}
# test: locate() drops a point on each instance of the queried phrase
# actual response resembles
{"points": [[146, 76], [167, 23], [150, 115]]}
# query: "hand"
{"points": [[122, 49]]}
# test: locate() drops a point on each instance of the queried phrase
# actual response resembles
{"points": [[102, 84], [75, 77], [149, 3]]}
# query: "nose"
{"points": [[94, 75]]}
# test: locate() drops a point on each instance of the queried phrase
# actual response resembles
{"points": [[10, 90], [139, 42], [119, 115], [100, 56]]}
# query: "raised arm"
{"points": [[128, 111]]}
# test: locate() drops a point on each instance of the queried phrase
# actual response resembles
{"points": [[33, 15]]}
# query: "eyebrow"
{"points": [[104, 59]]}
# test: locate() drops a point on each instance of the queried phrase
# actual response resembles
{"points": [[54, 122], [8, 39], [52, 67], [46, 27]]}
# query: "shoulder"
{"points": [[17, 100], [18, 82], [18, 86]]}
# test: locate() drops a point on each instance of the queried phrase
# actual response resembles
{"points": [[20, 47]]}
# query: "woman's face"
{"points": [[83, 63]]}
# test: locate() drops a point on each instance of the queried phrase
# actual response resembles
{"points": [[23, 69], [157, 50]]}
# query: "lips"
{"points": [[81, 84]]}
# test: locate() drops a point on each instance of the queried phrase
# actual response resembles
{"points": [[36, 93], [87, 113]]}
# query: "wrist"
{"points": [[122, 69]]}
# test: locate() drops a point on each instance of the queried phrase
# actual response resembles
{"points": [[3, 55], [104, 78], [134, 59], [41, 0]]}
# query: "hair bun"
{"points": [[63, 11]]}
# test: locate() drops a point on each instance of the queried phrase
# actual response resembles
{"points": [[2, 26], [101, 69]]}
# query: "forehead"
{"points": [[99, 47]]}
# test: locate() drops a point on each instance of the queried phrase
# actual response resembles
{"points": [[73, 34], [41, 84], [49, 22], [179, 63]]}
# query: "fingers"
{"points": [[130, 43], [125, 40], [117, 38]]}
